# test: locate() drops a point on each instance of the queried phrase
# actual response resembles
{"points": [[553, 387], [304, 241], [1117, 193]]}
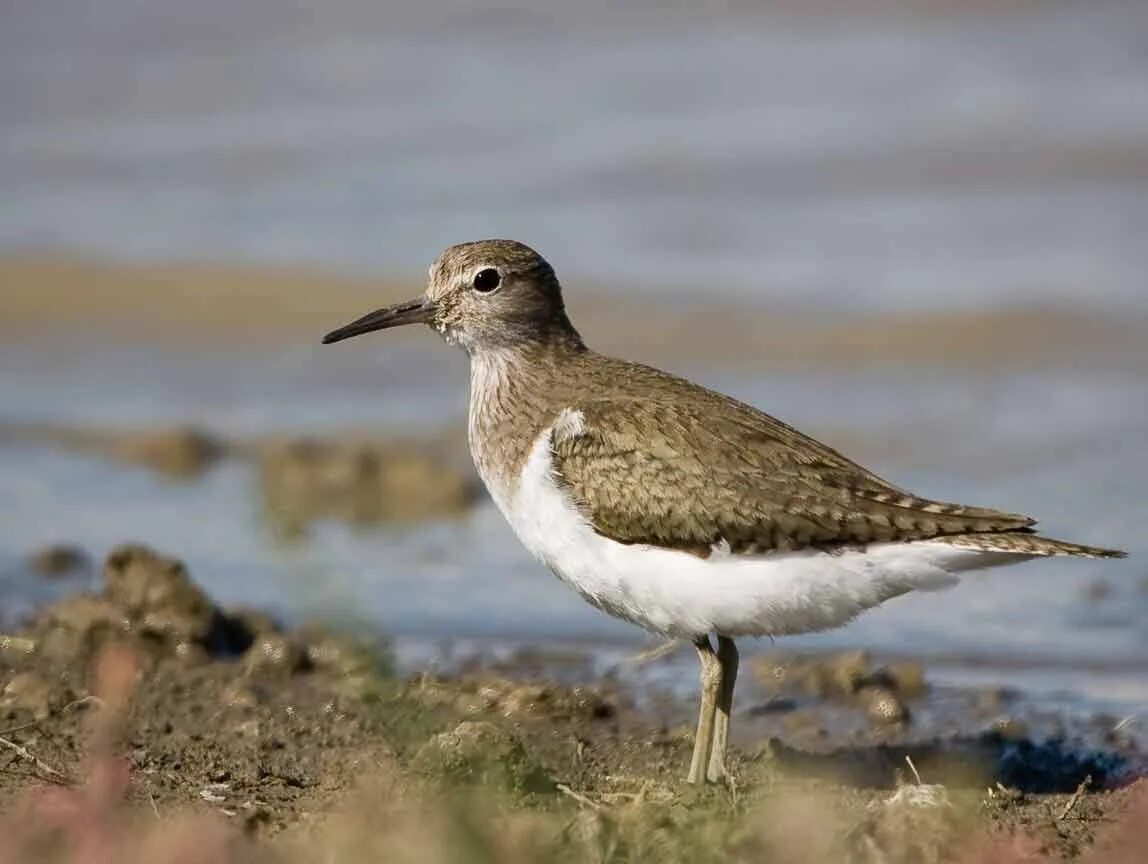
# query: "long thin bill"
{"points": [[417, 311]]}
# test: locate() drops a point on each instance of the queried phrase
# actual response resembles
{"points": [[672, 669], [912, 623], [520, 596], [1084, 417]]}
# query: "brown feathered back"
{"points": [[662, 461]]}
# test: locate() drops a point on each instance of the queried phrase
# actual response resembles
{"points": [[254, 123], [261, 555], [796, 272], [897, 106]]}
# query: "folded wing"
{"points": [[678, 475]]}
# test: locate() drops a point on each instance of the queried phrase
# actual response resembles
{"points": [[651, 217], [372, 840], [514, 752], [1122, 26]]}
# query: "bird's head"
{"points": [[485, 295]]}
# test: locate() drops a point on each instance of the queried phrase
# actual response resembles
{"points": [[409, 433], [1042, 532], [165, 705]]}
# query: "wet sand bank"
{"points": [[213, 307]]}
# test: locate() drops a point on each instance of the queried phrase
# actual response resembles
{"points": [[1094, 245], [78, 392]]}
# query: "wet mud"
{"points": [[271, 729]]}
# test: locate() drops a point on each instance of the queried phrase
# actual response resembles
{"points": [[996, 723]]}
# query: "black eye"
{"points": [[487, 280]]}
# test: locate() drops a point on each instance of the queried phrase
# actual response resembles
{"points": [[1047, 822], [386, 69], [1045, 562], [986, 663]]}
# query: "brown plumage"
{"points": [[662, 461]]}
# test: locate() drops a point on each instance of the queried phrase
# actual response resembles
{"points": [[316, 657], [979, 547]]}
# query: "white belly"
{"points": [[679, 594]]}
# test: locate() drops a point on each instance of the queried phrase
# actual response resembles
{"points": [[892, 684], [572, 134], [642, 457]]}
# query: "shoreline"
{"points": [[214, 307]]}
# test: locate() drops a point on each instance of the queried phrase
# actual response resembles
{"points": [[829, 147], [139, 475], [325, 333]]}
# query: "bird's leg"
{"points": [[727, 658], [711, 685]]}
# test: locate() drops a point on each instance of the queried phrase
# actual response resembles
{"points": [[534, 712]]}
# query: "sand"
{"points": [[214, 306]]}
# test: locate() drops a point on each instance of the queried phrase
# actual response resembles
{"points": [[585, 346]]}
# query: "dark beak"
{"points": [[411, 312]]}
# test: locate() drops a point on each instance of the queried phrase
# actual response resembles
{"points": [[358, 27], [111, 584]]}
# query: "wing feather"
{"points": [[676, 475]]}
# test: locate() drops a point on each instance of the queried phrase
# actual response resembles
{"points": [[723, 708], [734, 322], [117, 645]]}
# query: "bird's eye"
{"points": [[487, 280]]}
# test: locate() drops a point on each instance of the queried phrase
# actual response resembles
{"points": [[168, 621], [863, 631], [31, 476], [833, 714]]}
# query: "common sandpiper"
{"points": [[674, 507]]}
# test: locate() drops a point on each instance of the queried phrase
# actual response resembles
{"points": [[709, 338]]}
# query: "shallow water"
{"points": [[876, 162], [1068, 447]]}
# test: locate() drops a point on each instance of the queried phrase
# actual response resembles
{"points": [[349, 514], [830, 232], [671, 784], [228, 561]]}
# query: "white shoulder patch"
{"points": [[721, 549], [569, 425]]}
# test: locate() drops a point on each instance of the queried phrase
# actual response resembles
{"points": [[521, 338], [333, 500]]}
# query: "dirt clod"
{"points": [[166, 608], [482, 753], [71, 629], [276, 654], [59, 560], [180, 452], [839, 676], [358, 480], [30, 693], [883, 707]]}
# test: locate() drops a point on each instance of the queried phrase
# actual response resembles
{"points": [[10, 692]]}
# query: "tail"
{"points": [[1027, 544]]}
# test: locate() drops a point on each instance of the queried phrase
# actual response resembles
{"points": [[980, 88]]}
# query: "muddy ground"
{"points": [[277, 732]]}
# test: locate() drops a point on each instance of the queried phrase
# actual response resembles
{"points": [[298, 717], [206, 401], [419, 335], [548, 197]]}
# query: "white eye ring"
{"points": [[486, 280]]}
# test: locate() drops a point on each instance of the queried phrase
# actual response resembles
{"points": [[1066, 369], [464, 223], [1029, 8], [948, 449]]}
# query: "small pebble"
{"points": [[883, 707]]}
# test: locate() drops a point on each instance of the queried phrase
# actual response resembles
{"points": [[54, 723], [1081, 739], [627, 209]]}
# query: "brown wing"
{"points": [[690, 476]]}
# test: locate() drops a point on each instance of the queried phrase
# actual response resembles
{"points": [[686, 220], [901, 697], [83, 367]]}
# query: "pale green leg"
{"points": [[711, 689], [727, 661]]}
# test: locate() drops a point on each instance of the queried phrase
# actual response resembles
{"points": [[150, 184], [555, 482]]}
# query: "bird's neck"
{"points": [[514, 396]]}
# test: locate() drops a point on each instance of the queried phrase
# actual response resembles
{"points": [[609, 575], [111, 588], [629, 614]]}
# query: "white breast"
{"points": [[682, 595]]}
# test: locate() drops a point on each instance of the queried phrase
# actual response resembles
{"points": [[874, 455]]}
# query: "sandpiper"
{"points": [[674, 507]]}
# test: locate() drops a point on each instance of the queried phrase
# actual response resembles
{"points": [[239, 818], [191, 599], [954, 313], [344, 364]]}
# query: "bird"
{"points": [[674, 507]]}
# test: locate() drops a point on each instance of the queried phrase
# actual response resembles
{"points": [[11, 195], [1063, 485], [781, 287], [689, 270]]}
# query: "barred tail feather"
{"points": [[1023, 543]]}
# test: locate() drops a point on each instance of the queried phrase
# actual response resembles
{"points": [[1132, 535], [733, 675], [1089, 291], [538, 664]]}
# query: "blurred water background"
{"points": [[825, 161]]}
